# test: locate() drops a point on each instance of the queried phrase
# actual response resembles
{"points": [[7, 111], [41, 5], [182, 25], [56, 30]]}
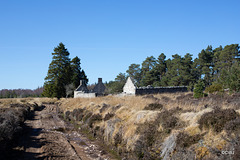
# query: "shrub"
{"points": [[104, 107], [233, 126], [117, 139], [93, 118], [184, 140], [78, 114], [198, 90], [214, 88], [87, 116], [150, 136], [217, 119], [154, 106], [108, 116], [67, 115], [11, 122], [168, 120], [165, 99]]}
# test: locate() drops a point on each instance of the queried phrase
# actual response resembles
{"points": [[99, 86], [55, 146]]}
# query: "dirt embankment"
{"points": [[165, 126], [45, 136]]}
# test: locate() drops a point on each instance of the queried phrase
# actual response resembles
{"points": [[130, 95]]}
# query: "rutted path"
{"points": [[49, 137]]}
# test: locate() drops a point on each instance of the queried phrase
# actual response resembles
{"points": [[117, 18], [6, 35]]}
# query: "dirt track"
{"points": [[49, 137]]}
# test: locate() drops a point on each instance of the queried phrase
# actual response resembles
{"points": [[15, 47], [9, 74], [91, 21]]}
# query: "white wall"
{"points": [[84, 95], [129, 87]]}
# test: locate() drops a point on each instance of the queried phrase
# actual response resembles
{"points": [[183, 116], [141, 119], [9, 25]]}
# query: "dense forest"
{"points": [[215, 69]]}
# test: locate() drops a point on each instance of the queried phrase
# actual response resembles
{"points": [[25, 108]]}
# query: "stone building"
{"points": [[99, 88], [82, 90], [131, 89], [82, 87]]}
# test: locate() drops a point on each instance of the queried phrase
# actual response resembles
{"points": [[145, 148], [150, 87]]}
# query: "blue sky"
{"points": [[107, 35]]}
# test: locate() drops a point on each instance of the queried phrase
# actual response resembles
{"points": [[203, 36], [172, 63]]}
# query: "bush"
{"points": [[198, 90], [11, 123], [150, 136], [67, 115], [214, 88], [184, 140], [93, 118], [108, 116], [168, 120], [104, 107], [233, 126], [78, 114], [154, 106], [217, 119], [117, 139], [87, 116]]}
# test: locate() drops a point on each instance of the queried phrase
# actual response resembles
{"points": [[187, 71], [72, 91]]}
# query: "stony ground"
{"points": [[48, 137]]}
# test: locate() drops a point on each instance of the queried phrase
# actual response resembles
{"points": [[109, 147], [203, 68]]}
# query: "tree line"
{"points": [[20, 93], [216, 69]]}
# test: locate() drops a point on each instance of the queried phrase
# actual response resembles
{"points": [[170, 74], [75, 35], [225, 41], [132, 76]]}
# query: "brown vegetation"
{"points": [[159, 126], [11, 126], [217, 119]]}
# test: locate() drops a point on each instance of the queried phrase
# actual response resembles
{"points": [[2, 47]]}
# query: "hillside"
{"points": [[163, 126], [168, 126]]}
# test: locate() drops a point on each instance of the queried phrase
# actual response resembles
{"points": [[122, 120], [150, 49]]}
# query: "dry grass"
{"points": [[134, 111], [5, 103], [179, 112]]}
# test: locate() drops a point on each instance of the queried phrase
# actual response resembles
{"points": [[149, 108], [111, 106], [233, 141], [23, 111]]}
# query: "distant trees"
{"points": [[219, 66], [20, 93], [134, 71], [117, 85], [61, 73]]}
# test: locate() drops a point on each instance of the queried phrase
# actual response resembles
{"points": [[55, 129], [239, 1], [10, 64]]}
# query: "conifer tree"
{"points": [[134, 71], [77, 73], [147, 65], [174, 70], [59, 73], [198, 89], [205, 59]]}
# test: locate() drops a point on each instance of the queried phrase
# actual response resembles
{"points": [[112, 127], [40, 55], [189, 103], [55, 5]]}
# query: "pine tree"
{"points": [[134, 71], [77, 73], [198, 89], [117, 85], [59, 73], [186, 70], [161, 65], [174, 71], [205, 59], [159, 70], [147, 65]]}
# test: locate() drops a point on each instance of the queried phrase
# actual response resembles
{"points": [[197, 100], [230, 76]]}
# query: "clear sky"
{"points": [[107, 35]]}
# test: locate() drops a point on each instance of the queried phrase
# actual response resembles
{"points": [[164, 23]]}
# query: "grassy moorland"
{"points": [[168, 126], [163, 126]]}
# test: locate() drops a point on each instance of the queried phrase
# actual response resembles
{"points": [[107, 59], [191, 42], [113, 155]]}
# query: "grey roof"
{"points": [[82, 88]]}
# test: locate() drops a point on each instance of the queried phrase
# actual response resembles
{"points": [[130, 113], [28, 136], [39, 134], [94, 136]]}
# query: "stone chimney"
{"points": [[82, 82], [99, 80]]}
